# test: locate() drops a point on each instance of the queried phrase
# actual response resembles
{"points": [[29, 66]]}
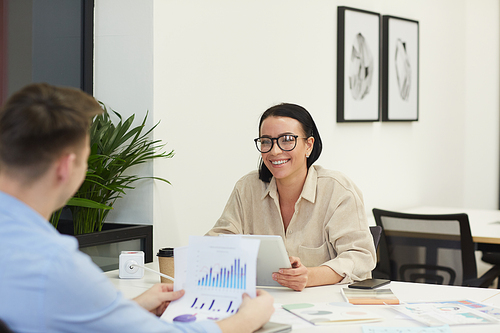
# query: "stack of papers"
{"points": [[369, 296], [438, 315], [450, 313], [331, 313]]}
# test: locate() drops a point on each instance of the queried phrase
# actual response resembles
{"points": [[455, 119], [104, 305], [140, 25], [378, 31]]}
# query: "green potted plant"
{"points": [[115, 148]]}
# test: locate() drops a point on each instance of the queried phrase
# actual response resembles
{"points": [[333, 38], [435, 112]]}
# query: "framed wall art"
{"points": [[400, 63], [358, 65]]}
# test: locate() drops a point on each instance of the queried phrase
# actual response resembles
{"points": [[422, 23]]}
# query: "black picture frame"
{"points": [[87, 38], [358, 65], [400, 63]]}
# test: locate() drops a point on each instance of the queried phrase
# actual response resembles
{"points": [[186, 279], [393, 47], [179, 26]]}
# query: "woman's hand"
{"points": [[158, 297], [295, 277]]}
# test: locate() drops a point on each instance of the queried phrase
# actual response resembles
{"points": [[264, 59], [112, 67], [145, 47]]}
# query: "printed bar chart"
{"points": [[220, 270], [233, 277], [213, 305]]}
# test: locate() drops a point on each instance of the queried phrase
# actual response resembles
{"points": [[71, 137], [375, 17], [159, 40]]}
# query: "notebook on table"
{"points": [[271, 327]]}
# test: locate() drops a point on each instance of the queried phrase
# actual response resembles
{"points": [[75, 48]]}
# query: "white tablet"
{"points": [[271, 257]]}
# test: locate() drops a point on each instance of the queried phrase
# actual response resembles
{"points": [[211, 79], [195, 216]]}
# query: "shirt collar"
{"points": [[308, 191], [271, 190]]}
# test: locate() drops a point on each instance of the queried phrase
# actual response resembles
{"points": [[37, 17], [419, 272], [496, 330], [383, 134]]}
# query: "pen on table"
{"points": [[498, 293]]}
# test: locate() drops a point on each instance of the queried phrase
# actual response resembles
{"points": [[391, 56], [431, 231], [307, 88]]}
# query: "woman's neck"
{"points": [[289, 189]]}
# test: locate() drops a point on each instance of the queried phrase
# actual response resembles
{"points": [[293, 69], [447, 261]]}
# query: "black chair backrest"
{"points": [[4, 328], [425, 248], [376, 231]]}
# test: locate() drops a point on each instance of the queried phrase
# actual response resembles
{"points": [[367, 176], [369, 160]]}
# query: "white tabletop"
{"points": [[406, 292], [484, 224]]}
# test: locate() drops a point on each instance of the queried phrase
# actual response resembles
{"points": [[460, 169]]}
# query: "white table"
{"points": [[406, 292]]}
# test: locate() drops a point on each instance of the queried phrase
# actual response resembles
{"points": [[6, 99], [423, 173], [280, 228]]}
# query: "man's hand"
{"points": [[158, 297], [252, 314], [295, 277]]}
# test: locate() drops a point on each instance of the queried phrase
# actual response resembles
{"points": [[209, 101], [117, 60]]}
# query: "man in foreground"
{"points": [[46, 284]]}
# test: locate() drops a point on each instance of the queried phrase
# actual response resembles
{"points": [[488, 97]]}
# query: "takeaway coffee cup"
{"points": [[166, 261]]}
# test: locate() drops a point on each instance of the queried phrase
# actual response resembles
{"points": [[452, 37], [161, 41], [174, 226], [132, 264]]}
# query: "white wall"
{"points": [[124, 82], [482, 104], [219, 64]]}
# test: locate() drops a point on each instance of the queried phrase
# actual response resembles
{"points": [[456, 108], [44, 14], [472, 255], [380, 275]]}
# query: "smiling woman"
{"points": [[288, 166], [319, 213]]}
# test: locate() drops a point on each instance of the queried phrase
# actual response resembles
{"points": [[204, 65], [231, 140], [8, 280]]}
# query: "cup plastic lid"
{"points": [[166, 252]]}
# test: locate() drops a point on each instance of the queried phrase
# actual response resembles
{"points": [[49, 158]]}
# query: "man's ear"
{"points": [[64, 167]]}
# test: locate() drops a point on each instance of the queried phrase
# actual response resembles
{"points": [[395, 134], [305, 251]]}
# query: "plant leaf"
{"points": [[80, 202], [116, 147]]}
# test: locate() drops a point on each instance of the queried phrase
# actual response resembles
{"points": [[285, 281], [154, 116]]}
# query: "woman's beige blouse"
{"points": [[329, 226]]}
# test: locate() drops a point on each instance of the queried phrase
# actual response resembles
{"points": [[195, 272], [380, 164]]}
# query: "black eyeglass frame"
{"points": [[277, 142]]}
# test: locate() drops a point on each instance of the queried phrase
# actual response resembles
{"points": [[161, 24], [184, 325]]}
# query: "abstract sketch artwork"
{"points": [[362, 67], [403, 69], [400, 69], [358, 65]]}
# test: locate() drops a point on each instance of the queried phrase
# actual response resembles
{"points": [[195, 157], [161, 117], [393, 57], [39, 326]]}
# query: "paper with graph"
{"points": [[218, 270]]}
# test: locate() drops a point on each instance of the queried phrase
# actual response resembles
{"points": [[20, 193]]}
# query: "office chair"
{"points": [[430, 249], [4, 328], [376, 233], [491, 256]]}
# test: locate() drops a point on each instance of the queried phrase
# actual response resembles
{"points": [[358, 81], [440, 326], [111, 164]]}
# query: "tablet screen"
{"points": [[272, 256]]}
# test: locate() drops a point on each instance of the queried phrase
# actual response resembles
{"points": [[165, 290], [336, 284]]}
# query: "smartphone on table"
{"points": [[369, 283]]}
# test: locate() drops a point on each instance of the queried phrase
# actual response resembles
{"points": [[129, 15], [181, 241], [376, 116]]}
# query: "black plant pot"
{"points": [[112, 235]]}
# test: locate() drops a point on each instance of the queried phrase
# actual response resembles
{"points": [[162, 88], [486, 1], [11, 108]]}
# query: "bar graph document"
{"points": [[216, 273]]}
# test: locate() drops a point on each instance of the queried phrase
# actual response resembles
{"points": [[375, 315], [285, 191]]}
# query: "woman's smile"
{"points": [[279, 162]]}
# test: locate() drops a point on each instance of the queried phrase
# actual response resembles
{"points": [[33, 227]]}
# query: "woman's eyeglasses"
{"points": [[286, 142]]}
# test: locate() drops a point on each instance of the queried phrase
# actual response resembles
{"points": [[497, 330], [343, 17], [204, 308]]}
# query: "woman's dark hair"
{"points": [[300, 114]]}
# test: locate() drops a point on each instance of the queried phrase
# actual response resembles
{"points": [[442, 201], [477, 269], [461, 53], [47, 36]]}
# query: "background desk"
{"points": [[484, 224], [406, 292]]}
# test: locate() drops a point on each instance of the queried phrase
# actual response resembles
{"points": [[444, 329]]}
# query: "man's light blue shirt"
{"points": [[48, 285]]}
